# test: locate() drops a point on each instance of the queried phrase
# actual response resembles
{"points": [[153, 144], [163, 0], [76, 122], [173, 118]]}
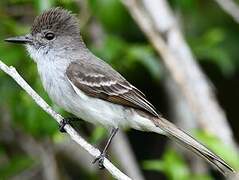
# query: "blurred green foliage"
{"points": [[17, 164], [174, 167], [130, 55], [220, 148], [211, 34]]}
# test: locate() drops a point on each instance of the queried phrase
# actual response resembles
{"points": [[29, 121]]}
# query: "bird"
{"points": [[89, 88]]}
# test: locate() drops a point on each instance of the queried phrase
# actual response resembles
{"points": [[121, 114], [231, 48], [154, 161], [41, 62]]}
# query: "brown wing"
{"points": [[108, 85]]}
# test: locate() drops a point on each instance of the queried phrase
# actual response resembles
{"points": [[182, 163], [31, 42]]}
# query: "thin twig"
{"points": [[11, 71]]}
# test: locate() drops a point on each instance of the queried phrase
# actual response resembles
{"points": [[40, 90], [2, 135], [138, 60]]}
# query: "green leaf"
{"points": [[223, 150], [111, 13], [210, 47], [173, 166], [145, 55], [124, 56]]}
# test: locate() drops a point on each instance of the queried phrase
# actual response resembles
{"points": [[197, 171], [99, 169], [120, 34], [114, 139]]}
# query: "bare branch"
{"points": [[11, 71], [230, 7]]}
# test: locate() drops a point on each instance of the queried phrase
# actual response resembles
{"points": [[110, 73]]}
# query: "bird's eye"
{"points": [[49, 36]]}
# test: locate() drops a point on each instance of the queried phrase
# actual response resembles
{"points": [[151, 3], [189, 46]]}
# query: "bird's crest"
{"points": [[57, 20]]}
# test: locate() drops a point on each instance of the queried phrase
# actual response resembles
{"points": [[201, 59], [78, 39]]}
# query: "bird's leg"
{"points": [[65, 121], [101, 157]]}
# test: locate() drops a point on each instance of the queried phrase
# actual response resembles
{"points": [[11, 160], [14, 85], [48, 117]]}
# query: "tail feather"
{"points": [[186, 140]]}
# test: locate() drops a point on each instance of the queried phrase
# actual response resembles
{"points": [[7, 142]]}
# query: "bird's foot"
{"points": [[62, 125], [100, 160], [73, 121]]}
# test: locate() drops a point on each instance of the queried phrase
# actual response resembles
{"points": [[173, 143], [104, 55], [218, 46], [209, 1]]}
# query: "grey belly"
{"points": [[87, 108], [91, 109]]}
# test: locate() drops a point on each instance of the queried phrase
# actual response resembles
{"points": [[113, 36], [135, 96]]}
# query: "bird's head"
{"points": [[54, 31]]}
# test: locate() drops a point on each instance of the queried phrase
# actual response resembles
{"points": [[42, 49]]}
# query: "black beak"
{"points": [[19, 39]]}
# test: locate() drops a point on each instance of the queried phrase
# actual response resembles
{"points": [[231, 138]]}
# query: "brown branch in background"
{"points": [[85, 13], [156, 20], [122, 150], [49, 161], [66, 149], [43, 152], [183, 117], [11, 71], [230, 7]]}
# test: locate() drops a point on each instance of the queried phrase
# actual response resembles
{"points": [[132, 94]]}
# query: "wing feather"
{"points": [[109, 86]]}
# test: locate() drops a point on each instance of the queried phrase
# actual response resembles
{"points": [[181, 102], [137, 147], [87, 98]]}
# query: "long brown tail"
{"points": [[186, 140]]}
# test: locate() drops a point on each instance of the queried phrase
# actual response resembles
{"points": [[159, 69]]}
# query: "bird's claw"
{"points": [[100, 160], [62, 125]]}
